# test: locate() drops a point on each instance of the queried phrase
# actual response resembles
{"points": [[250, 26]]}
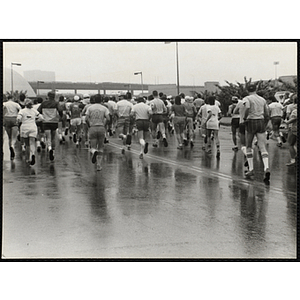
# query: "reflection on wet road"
{"points": [[171, 204]]}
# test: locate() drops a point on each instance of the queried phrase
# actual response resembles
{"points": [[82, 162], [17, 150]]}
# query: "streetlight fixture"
{"points": [[137, 73], [275, 64], [37, 88], [12, 75], [177, 65]]}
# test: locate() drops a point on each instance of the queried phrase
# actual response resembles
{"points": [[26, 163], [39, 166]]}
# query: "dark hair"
{"points": [[51, 95], [22, 97], [182, 95], [39, 100], [178, 100], [252, 88], [161, 94], [150, 97], [92, 99], [128, 96], [155, 93], [272, 98], [9, 97], [106, 99], [98, 98], [61, 98], [211, 100], [139, 99]]}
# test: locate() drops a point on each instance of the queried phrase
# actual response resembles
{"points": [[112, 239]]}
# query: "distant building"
{"points": [[38, 75], [188, 90]]}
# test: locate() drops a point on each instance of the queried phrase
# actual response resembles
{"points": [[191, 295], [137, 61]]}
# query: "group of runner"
{"points": [[93, 119]]}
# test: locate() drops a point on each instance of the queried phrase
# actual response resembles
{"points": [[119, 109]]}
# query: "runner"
{"points": [[124, 108], [10, 112], [96, 117], [212, 124], [142, 113], [256, 117], [235, 120], [240, 109], [276, 113], [202, 117], [50, 111], [191, 113], [178, 115], [62, 119], [158, 109], [292, 134], [39, 124], [75, 119], [28, 130], [85, 101]]}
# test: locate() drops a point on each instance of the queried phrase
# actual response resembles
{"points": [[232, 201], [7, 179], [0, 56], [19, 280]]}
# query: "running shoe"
{"points": [[146, 148], [249, 173], [218, 154], [94, 157], [141, 156], [38, 149], [43, 144], [235, 148], [51, 154], [12, 153], [268, 135], [267, 175], [165, 142], [123, 151], [128, 147], [128, 139], [106, 141], [32, 162], [192, 144], [180, 147], [74, 138], [291, 164], [158, 135]]}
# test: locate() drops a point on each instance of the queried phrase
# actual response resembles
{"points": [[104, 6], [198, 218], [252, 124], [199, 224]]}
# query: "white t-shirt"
{"points": [[276, 109], [11, 108], [213, 122], [124, 108], [28, 116], [142, 111]]}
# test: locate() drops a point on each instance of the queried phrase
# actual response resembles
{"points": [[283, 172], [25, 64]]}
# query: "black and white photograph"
{"points": [[149, 149]]}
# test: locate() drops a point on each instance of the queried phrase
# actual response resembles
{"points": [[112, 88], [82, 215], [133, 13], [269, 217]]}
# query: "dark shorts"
{"points": [[49, 126], [254, 126], [276, 121], [156, 119], [142, 125], [235, 122], [9, 122]]}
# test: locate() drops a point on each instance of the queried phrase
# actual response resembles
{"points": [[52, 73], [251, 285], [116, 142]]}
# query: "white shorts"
{"points": [[26, 132], [75, 122]]}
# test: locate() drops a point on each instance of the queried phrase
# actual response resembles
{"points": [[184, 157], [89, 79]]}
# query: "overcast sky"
{"points": [[117, 61]]}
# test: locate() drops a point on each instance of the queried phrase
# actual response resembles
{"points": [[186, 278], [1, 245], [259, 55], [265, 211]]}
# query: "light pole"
{"points": [[177, 65], [37, 88], [12, 75], [275, 64], [137, 73]]}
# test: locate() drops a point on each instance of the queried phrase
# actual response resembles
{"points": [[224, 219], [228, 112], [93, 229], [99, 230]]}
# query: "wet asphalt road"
{"points": [[171, 204]]}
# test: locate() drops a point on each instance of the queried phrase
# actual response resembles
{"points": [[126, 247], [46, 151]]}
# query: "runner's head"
{"points": [[211, 100], [98, 98], [178, 100], [251, 88], [28, 103], [76, 98], [234, 99]]}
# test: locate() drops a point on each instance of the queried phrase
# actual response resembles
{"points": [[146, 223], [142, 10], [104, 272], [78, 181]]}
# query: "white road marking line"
{"points": [[199, 169]]}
